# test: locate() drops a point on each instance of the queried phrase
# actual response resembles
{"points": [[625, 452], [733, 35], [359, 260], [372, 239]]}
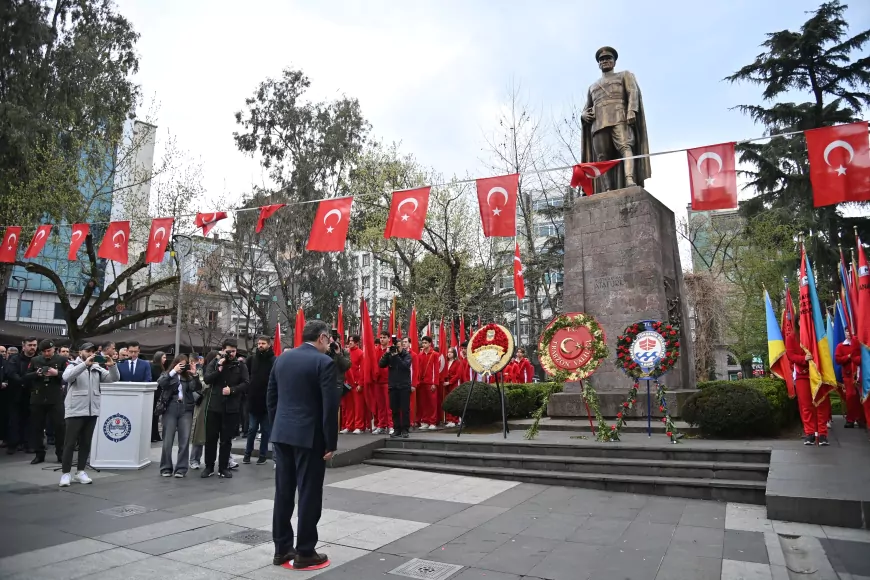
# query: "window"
{"points": [[59, 313], [732, 361], [545, 204], [509, 304], [507, 282], [549, 230], [525, 328], [25, 308], [354, 262], [212, 318], [554, 278], [367, 280], [366, 260], [384, 306], [385, 283]]}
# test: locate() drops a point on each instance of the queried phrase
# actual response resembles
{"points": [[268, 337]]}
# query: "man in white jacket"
{"points": [[82, 407]]}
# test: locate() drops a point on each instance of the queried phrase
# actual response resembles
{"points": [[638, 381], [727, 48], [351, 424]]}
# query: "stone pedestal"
{"points": [[622, 265]]}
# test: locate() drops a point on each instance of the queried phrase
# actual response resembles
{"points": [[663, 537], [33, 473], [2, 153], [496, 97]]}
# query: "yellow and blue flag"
{"points": [[779, 365]]}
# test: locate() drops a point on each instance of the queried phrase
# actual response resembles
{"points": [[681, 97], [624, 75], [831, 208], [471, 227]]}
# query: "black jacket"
{"points": [[235, 376], [259, 366], [46, 390], [303, 400], [16, 376], [400, 369], [169, 388], [341, 358]]}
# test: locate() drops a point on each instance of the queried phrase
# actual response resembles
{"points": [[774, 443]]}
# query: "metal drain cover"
{"points": [[249, 537], [426, 570], [123, 511]]}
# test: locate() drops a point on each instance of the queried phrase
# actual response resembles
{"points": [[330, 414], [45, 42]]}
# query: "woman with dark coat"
{"points": [[158, 365], [178, 389]]}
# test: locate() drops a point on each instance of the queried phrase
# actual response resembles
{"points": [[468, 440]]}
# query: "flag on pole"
{"points": [[863, 319], [276, 344], [413, 334], [341, 324], [393, 317], [846, 295], [300, 324], [834, 326], [367, 344], [779, 364], [462, 329], [442, 337], [453, 334], [813, 338]]}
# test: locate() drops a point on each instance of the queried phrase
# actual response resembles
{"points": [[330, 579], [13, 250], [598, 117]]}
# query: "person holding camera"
{"points": [[82, 407], [46, 399], [398, 362], [228, 379], [179, 389]]}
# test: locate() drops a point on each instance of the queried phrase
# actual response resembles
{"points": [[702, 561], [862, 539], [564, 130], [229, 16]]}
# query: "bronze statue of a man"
{"points": [[614, 126]]}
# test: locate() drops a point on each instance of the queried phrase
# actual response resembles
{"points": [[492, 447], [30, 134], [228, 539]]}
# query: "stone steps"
{"points": [[726, 474], [581, 426]]}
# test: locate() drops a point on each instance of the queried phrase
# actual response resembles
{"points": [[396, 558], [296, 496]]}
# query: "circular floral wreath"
{"points": [[572, 322], [671, 335], [502, 345]]}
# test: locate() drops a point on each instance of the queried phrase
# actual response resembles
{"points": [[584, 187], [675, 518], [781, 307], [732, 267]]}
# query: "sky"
{"points": [[433, 74]]}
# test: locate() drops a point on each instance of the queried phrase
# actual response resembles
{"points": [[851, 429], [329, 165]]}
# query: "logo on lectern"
{"points": [[117, 428]]}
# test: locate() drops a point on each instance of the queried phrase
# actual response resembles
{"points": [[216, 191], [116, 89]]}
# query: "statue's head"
{"points": [[606, 57]]}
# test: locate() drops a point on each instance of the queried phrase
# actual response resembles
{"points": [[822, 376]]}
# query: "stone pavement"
{"points": [[129, 526]]}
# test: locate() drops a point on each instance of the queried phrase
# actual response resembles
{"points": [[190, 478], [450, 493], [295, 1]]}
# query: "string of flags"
{"points": [[839, 158]]}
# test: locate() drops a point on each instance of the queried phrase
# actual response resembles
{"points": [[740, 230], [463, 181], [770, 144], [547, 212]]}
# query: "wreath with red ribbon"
{"points": [[500, 338], [669, 333]]}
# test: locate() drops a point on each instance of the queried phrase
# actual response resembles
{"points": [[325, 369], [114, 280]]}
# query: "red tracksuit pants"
{"points": [[427, 404], [854, 412], [814, 417]]}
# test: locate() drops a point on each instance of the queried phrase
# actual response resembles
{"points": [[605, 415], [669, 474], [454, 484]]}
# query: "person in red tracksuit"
{"points": [[524, 372], [381, 396], [355, 379], [429, 362], [510, 371], [814, 417], [450, 377], [843, 356]]}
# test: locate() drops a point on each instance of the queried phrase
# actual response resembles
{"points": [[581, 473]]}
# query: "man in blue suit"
{"points": [[135, 370], [302, 399]]}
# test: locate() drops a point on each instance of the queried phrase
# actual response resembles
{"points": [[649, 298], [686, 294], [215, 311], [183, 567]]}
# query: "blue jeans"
{"points": [[176, 420], [262, 421]]}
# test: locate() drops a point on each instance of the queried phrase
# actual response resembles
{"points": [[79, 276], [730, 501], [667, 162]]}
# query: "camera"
{"points": [[335, 336], [334, 346], [395, 340], [185, 367]]}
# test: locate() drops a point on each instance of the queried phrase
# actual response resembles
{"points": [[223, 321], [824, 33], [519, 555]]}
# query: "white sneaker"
{"points": [[433, 427], [65, 480], [357, 432], [344, 431], [194, 464], [424, 425], [451, 424], [232, 463], [82, 477], [392, 430]]}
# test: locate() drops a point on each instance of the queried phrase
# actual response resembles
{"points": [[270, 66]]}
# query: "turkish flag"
{"points": [[114, 244], [266, 212], [300, 326], [408, 214], [79, 233], [38, 241], [519, 282], [276, 344], [584, 174], [158, 240], [329, 230], [340, 324], [207, 221], [9, 247], [497, 198], [839, 163], [713, 177]]}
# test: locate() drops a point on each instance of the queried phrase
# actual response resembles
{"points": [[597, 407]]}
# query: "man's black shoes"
{"points": [[281, 559], [823, 440], [810, 440], [246, 459], [301, 562], [37, 459], [226, 474], [206, 473], [261, 460]]}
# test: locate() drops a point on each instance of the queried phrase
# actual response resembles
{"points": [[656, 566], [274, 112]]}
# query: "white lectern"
{"points": [[122, 437]]}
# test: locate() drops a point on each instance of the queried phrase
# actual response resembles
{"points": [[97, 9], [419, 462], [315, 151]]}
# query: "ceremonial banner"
{"points": [[331, 222], [207, 221], [9, 246], [519, 282], [38, 241], [713, 177], [276, 344], [813, 338], [408, 214], [497, 198], [79, 233], [157, 240], [266, 212], [839, 163], [115, 242], [863, 319], [300, 325]]}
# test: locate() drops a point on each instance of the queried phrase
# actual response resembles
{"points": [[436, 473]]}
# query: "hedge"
{"points": [[784, 409], [521, 401], [727, 409]]}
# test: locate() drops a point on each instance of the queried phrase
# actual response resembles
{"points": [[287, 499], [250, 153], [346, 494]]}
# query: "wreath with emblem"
{"points": [[490, 349], [598, 345], [669, 333]]}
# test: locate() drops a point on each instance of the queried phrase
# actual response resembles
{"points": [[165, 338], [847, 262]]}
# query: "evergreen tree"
{"points": [[818, 61]]}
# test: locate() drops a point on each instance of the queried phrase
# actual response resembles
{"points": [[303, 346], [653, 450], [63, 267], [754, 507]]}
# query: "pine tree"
{"points": [[817, 61]]}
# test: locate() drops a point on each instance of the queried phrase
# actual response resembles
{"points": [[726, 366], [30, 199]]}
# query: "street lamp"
{"points": [[21, 281], [181, 245]]}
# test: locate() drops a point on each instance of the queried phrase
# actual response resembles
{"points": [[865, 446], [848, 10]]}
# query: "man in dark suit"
{"points": [[302, 399], [134, 369]]}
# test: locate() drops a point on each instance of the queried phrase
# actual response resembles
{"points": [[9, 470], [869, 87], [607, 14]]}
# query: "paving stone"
{"points": [[745, 546], [478, 574], [697, 541], [473, 516], [237, 511], [156, 567], [518, 555], [647, 535], [82, 566], [689, 568], [206, 551], [749, 518], [598, 531], [735, 570], [420, 543], [242, 562], [468, 549], [703, 514], [152, 531], [17, 538], [94, 525], [52, 555], [663, 511], [775, 555], [555, 527], [257, 520], [515, 496], [617, 563], [171, 543], [835, 533], [372, 565], [853, 557], [513, 521], [567, 561]]}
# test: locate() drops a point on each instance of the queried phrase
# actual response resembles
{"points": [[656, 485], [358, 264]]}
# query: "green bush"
{"points": [[785, 410], [730, 410], [521, 401], [837, 405]]}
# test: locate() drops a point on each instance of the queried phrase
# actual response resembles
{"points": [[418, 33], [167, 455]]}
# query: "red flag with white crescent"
{"points": [[38, 241], [79, 233], [115, 242], [839, 163], [713, 177], [497, 198], [158, 239], [329, 230], [266, 212], [9, 246], [207, 221], [340, 328], [584, 174], [408, 214], [519, 281], [276, 344]]}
